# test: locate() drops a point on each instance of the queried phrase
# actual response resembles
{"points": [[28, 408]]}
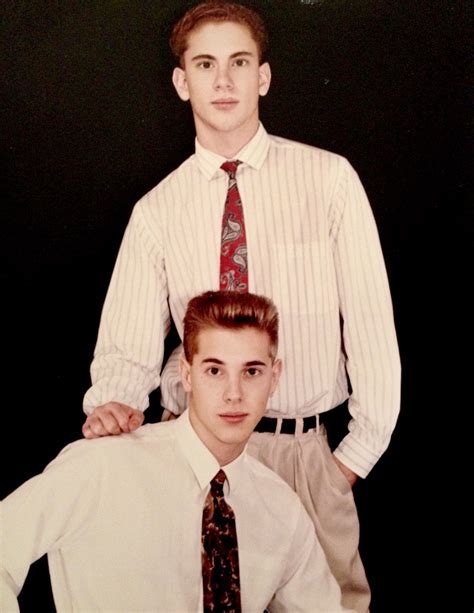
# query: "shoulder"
{"points": [[279, 143], [117, 449], [154, 213], [172, 184], [326, 160]]}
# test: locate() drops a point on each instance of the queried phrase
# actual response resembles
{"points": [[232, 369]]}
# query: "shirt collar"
{"points": [[201, 461], [253, 154]]}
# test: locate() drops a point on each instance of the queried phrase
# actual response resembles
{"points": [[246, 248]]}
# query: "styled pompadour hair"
{"points": [[232, 310]]}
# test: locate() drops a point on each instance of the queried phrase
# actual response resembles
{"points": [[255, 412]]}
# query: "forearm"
{"points": [[374, 403], [21, 539], [368, 436], [134, 322], [119, 380], [8, 592]]}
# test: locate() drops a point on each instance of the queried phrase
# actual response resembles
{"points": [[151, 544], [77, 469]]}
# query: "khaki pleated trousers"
{"points": [[305, 462]]}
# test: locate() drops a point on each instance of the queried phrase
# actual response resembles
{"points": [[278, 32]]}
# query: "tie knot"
{"points": [[230, 167], [217, 484]]}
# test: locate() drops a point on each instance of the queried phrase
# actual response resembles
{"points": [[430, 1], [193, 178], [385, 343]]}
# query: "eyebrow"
{"points": [[206, 56], [217, 361]]}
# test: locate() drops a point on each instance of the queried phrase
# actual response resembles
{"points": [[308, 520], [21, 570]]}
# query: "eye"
{"points": [[241, 62], [213, 371], [253, 372], [205, 65]]}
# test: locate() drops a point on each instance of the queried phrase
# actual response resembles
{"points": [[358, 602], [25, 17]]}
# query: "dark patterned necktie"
{"points": [[233, 270], [220, 556]]}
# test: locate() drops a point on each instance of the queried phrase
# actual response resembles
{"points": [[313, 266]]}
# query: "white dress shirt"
{"points": [[313, 248], [120, 519]]}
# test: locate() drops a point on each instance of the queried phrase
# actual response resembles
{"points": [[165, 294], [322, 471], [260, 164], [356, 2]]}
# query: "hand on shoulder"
{"points": [[112, 418]]}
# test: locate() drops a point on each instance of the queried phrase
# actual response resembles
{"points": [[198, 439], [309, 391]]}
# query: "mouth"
{"points": [[233, 418], [224, 103]]}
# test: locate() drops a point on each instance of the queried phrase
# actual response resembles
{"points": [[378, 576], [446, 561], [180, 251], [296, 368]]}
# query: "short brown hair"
{"points": [[217, 10], [231, 310]]}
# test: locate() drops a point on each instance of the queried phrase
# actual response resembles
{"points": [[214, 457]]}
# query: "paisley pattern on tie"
{"points": [[233, 272], [220, 556]]}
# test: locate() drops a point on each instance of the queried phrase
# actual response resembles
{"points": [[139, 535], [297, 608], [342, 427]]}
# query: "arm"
{"points": [[42, 514], [173, 396], [369, 337], [134, 323], [308, 585]]}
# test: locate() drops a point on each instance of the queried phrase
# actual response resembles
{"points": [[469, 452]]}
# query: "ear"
{"points": [[264, 78], [185, 372], [276, 372], [180, 83]]}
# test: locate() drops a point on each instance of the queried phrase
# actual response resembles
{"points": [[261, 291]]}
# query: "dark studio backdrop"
{"points": [[90, 123]]}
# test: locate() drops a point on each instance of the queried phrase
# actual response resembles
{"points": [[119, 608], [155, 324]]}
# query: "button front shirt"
{"points": [[313, 248], [120, 519]]}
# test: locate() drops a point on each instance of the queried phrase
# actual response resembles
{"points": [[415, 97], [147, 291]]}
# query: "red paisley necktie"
{"points": [[234, 270], [220, 556]]}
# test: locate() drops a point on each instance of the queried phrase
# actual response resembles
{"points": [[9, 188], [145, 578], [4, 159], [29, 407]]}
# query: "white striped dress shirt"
{"points": [[313, 248]]}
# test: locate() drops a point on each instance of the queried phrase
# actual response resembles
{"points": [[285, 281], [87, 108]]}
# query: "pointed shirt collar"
{"points": [[201, 461], [253, 154]]}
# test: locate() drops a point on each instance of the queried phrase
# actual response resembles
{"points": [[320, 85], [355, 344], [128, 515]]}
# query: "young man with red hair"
{"points": [[311, 245]]}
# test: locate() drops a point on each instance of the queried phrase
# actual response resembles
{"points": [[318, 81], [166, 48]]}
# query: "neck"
{"points": [[224, 452], [226, 144], [228, 456]]}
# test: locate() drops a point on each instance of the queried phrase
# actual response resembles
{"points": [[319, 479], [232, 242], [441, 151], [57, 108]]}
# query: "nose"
{"points": [[223, 79], [233, 390]]}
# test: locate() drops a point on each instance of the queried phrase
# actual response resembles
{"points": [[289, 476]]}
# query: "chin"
{"points": [[236, 438]]}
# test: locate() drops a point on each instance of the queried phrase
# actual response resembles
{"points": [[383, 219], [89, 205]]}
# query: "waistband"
{"points": [[288, 424]]}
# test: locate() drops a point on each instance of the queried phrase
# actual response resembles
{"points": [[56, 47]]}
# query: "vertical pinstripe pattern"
{"points": [[313, 247]]}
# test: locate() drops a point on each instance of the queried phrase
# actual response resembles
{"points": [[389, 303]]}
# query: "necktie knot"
{"points": [[230, 167], [217, 484]]}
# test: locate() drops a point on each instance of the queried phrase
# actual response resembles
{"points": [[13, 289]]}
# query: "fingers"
{"points": [[112, 418], [100, 425], [135, 419]]}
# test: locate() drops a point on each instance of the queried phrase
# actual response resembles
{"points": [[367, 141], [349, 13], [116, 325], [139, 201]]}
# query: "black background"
{"points": [[90, 122]]}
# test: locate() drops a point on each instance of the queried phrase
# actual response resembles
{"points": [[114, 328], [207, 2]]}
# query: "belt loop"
{"points": [[298, 426], [278, 425], [317, 423]]}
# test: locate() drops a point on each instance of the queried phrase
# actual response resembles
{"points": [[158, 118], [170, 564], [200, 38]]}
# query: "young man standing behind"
{"points": [[311, 245]]}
